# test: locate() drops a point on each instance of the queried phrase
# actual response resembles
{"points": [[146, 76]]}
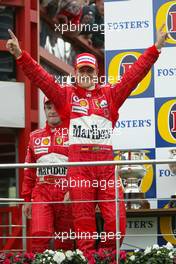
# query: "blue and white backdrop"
{"points": [[148, 117]]}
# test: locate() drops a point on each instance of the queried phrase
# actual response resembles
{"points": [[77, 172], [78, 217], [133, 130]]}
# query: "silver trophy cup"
{"points": [[132, 176], [172, 166]]}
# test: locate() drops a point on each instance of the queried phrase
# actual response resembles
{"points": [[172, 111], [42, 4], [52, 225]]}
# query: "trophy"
{"points": [[172, 167], [132, 176]]}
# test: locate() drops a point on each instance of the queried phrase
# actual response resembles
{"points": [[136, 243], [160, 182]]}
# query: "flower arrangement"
{"points": [[103, 256], [47, 257], [58, 257], [17, 258], [153, 255]]}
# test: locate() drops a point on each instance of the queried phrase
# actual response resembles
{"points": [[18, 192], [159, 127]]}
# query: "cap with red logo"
{"points": [[86, 59]]}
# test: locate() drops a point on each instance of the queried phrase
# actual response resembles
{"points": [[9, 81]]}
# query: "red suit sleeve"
{"points": [[45, 81], [29, 175], [134, 76]]}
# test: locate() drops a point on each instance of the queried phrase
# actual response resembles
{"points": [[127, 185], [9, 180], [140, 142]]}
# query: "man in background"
{"points": [[47, 145]]}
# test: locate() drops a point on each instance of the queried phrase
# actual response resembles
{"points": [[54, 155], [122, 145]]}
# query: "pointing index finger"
{"points": [[162, 27], [12, 34]]}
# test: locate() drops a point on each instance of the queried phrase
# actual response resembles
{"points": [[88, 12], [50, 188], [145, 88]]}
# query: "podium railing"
{"points": [[73, 164]]}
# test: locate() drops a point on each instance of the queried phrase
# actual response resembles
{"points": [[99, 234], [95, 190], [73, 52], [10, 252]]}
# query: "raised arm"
{"points": [[138, 70], [37, 75]]}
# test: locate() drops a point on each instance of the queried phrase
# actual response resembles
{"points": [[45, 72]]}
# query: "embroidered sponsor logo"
{"points": [[59, 141], [75, 98], [84, 148], [55, 171], [66, 143], [79, 109], [86, 58], [46, 141], [37, 141], [93, 133], [83, 103], [103, 104], [96, 148], [96, 103], [41, 150], [79, 101]]}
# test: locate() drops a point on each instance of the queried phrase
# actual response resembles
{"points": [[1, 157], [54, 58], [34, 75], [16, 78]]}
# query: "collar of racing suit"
{"points": [[52, 129], [86, 93], [61, 128]]}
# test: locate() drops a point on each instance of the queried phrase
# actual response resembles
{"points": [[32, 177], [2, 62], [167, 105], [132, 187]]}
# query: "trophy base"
{"points": [[172, 202], [140, 204]]}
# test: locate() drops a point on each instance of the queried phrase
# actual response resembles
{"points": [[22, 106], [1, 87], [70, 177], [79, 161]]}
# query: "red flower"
{"points": [[123, 255], [8, 255], [17, 259], [90, 256], [92, 261], [6, 261], [29, 256]]}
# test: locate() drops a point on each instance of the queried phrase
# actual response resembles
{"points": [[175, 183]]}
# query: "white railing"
{"points": [[73, 164], [85, 163]]}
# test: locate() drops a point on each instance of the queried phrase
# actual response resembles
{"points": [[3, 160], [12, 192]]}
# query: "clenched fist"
{"points": [[13, 45]]}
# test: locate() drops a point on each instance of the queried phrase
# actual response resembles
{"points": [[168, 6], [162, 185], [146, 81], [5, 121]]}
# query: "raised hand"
{"points": [[161, 37], [13, 45], [67, 197]]}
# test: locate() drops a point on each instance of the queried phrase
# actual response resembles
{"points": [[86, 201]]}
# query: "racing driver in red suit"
{"points": [[93, 111], [47, 145]]}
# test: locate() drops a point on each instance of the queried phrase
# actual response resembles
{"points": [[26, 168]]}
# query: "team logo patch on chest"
{"points": [[100, 102], [59, 141], [100, 106], [96, 103]]}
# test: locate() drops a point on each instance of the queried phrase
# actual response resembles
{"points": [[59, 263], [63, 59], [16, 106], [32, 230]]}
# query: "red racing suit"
{"points": [[47, 145], [92, 116]]}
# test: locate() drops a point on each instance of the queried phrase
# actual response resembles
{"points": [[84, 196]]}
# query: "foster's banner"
{"points": [[147, 120]]}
